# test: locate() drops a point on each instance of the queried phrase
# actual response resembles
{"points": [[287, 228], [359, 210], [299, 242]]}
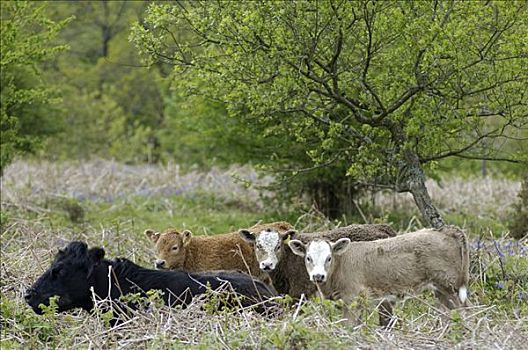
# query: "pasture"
{"points": [[109, 204]]}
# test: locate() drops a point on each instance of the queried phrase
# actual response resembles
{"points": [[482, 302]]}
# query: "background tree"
{"points": [[113, 106], [27, 100], [388, 88], [199, 132]]}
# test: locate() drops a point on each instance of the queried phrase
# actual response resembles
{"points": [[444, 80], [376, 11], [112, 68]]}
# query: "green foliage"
{"points": [[471, 167], [4, 218], [199, 132], [72, 208], [27, 115], [298, 336], [499, 274], [112, 106], [457, 328], [367, 89], [197, 213], [116, 108], [41, 328], [128, 218], [405, 220], [107, 317], [52, 308], [296, 88]]}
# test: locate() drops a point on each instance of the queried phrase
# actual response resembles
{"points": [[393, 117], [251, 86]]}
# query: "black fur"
{"points": [[77, 268]]}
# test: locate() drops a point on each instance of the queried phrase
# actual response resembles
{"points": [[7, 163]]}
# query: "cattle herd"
{"points": [[253, 266]]}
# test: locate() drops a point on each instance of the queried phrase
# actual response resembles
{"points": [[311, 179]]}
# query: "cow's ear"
{"points": [[340, 246], [288, 234], [247, 235], [96, 254], [152, 235], [76, 248], [60, 253], [297, 247], [186, 237]]}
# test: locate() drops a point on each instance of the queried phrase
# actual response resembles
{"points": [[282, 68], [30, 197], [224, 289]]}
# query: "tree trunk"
{"points": [[484, 168], [415, 184], [412, 178], [335, 198], [324, 196], [105, 29], [424, 203]]}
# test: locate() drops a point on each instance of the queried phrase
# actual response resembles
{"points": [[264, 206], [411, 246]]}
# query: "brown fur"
{"points": [[401, 264], [290, 276], [204, 253], [367, 232]]}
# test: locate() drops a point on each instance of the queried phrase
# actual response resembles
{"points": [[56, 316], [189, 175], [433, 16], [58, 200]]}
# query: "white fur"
{"points": [[268, 241], [318, 251], [462, 294]]}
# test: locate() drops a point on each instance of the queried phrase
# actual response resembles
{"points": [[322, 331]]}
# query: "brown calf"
{"points": [[182, 250]]}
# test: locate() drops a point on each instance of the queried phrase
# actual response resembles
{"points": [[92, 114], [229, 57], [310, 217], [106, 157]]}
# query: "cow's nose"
{"points": [[30, 292], [319, 278], [160, 264], [266, 266]]}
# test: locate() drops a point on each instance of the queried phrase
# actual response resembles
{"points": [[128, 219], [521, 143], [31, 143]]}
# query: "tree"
{"points": [[112, 105], [388, 87], [27, 115]]}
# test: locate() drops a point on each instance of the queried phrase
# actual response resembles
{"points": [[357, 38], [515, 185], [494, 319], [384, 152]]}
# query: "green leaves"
{"points": [[356, 83], [26, 113]]}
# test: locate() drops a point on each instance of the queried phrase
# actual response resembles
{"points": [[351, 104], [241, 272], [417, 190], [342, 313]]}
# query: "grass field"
{"points": [[45, 205]]}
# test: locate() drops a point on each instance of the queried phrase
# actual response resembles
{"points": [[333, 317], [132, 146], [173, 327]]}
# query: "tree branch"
{"points": [[459, 151], [368, 23], [399, 102], [498, 159]]}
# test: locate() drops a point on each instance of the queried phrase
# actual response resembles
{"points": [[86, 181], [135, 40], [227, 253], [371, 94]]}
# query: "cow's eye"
{"points": [[328, 259], [277, 247], [175, 248], [308, 259]]}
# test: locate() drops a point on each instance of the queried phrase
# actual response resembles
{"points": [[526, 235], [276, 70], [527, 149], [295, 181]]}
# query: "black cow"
{"points": [[76, 269]]}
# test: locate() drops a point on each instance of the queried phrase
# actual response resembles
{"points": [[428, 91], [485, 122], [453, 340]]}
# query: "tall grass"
{"points": [[33, 230], [103, 180], [478, 204]]}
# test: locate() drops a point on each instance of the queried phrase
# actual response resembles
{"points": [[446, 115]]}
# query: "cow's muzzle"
{"points": [[319, 278], [267, 266], [159, 264]]}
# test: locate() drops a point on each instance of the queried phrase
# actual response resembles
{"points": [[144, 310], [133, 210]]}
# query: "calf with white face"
{"points": [[318, 256], [269, 246], [286, 269], [394, 266]]}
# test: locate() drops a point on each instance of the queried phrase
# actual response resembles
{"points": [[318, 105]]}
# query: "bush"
{"points": [[27, 113]]}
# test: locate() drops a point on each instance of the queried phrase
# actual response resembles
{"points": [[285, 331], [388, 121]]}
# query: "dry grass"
{"points": [[481, 198], [103, 180], [422, 325], [29, 243]]}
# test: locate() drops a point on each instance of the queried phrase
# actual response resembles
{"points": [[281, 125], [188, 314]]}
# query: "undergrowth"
{"points": [[35, 223]]}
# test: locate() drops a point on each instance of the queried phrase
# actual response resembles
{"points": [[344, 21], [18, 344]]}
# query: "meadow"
{"points": [[110, 204]]}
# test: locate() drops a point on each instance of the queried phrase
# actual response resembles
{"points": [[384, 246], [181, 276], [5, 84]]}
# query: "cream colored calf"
{"points": [[392, 266]]}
